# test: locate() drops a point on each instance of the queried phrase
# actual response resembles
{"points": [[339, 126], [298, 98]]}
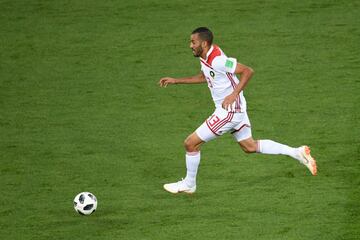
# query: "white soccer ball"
{"points": [[85, 203]]}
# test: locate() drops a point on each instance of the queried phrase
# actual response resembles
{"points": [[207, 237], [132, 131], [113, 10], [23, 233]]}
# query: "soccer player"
{"points": [[219, 72]]}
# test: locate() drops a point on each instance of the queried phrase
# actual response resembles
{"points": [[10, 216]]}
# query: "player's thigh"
{"points": [[242, 131], [216, 125], [204, 133], [242, 134], [193, 140]]}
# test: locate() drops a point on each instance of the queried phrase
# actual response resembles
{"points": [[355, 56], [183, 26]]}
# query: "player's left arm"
{"points": [[245, 75]]}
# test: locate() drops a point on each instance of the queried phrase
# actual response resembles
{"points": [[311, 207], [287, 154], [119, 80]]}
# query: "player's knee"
{"points": [[189, 146]]}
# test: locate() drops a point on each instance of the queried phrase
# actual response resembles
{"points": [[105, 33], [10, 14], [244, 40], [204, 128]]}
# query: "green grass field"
{"points": [[80, 110]]}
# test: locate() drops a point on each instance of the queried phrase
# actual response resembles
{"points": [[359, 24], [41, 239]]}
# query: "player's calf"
{"points": [[248, 145]]}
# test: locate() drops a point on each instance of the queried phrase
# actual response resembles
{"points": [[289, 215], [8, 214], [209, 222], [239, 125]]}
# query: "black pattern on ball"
{"points": [[82, 198], [92, 196], [88, 207]]}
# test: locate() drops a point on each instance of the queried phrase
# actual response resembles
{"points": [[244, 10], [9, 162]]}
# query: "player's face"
{"points": [[196, 45]]}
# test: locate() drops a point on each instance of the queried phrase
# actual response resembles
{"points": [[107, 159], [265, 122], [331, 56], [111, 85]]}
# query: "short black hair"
{"points": [[205, 34]]}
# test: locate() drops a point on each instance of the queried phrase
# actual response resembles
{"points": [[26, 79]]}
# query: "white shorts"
{"points": [[222, 121]]}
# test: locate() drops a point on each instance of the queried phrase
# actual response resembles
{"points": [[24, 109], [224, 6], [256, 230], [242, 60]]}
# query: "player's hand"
{"points": [[228, 102], [166, 80]]}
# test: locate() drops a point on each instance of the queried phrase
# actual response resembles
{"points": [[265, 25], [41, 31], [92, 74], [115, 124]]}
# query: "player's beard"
{"points": [[197, 51]]}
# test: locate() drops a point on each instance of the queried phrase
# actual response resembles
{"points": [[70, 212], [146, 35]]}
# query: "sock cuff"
{"points": [[192, 154], [258, 146]]}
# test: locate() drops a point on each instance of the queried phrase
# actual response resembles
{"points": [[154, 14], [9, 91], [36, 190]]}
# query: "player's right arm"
{"points": [[200, 78]]}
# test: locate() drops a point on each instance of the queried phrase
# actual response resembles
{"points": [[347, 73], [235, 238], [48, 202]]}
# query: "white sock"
{"points": [[192, 164], [271, 147]]}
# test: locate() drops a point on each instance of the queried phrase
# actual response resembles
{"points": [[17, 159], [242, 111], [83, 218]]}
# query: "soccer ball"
{"points": [[85, 203]]}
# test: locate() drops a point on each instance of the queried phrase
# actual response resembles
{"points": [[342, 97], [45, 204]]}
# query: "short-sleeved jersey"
{"points": [[219, 71]]}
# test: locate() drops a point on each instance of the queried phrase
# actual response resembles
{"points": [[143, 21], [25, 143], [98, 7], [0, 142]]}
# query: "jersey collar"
{"points": [[208, 53]]}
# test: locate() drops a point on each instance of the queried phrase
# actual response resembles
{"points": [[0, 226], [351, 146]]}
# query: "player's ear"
{"points": [[204, 43]]}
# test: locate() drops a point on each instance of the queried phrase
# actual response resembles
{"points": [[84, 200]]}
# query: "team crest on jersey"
{"points": [[212, 74]]}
